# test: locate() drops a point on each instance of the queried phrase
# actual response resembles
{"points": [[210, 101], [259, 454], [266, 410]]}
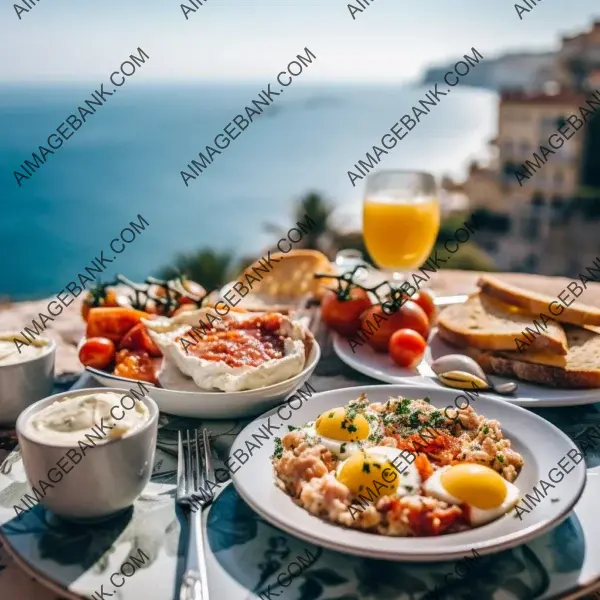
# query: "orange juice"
{"points": [[400, 236]]}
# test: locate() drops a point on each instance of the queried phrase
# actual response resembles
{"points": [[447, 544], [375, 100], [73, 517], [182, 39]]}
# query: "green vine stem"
{"points": [[392, 298]]}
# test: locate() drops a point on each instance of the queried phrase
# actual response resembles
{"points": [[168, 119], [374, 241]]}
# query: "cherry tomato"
{"points": [[138, 339], [97, 352], [378, 324], [344, 316], [424, 299], [406, 348]]}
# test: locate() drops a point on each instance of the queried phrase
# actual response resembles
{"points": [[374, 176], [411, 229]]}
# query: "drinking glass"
{"points": [[401, 220]]}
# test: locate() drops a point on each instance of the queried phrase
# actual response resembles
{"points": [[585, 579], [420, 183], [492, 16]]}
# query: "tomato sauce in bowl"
{"points": [[239, 343]]}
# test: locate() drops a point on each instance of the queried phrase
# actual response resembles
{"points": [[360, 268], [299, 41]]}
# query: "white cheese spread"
{"points": [[9, 353], [67, 421]]}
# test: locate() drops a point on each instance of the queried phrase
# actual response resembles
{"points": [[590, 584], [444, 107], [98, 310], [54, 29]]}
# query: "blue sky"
{"points": [[236, 40]]}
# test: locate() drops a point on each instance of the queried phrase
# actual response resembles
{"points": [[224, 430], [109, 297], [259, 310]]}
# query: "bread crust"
{"points": [[536, 303], [554, 377], [497, 342], [291, 278]]}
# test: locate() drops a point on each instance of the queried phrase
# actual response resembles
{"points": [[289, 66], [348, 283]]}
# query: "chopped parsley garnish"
{"points": [[278, 448], [342, 448], [414, 419], [344, 424], [427, 399], [352, 428], [292, 428], [436, 418], [403, 407], [500, 458], [485, 429], [410, 488], [387, 419], [331, 415], [351, 413], [366, 468]]}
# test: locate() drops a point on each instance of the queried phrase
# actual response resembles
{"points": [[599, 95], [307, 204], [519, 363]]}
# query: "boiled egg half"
{"points": [[483, 490]]}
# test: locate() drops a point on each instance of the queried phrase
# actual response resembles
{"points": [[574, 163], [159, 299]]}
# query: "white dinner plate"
{"points": [[180, 395], [540, 443], [380, 366]]}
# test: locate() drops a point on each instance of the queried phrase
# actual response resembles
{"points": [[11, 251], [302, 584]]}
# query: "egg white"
{"points": [[477, 516], [349, 448], [410, 480]]}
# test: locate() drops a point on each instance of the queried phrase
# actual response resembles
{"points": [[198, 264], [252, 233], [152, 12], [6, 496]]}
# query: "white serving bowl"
{"points": [[23, 383], [189, 401]]}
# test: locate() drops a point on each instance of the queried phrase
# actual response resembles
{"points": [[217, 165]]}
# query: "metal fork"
{"points": [[192, 475]]}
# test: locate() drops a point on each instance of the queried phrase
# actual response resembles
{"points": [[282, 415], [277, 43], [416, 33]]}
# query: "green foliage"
{"points": [[319, 210], [470, 257], [207, 267]]}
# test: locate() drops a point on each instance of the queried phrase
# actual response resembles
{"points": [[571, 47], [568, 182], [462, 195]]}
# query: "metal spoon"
{"points": [[461, 371]]}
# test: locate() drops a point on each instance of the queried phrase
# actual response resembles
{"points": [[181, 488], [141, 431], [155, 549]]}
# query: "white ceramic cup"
{"points": [[104, 481]]}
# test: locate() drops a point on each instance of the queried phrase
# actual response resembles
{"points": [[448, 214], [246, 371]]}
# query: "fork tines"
{"points": [[192, 471]]}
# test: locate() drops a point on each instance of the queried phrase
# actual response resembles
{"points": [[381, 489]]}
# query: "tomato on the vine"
{"points": [[425, 299], [343, 314], [380, 322]]}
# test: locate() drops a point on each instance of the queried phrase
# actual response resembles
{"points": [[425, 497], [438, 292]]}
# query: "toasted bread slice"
{"points": [[289, 279], [488, 324], [582, 368], [577, 313]]}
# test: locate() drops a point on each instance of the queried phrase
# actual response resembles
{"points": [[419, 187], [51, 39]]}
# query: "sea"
{"points": [[128, 157]]}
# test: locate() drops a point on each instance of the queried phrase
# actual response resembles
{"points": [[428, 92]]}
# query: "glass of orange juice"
{"points": [[401, 220]]}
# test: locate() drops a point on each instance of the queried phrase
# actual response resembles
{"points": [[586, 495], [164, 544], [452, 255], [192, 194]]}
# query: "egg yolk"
{"points": [[362, 471], [474, 484], [339, 424]]}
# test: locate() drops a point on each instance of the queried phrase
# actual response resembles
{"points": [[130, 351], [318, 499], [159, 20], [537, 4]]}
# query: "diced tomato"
{"points": [[424, 467], [112, 323], [135, 365], [433, 522], [138, 339]]}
